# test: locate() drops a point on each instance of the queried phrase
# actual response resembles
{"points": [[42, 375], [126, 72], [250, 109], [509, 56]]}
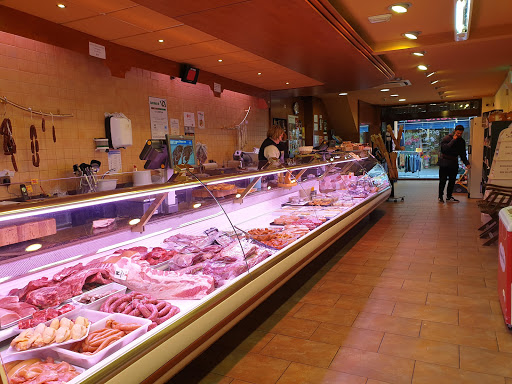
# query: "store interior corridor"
{"points": [[407, 296]]}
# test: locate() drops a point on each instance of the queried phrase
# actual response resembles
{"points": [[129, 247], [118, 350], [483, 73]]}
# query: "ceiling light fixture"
{"points": [[160, 40], [220, 60], [343, 94], [435, 81], [61, 6], [259, 73], [431, 74], [287, 83], [419, 53], [422, 67], [401, 99], [462, 19], [384, 90], [394, 95], [413, 35], [399, 7]]}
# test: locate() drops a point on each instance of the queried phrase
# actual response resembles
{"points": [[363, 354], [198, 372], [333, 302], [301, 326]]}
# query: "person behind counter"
{"points": [[270, 148]]}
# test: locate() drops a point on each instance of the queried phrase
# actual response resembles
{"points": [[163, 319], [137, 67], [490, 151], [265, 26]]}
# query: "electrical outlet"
{"points": [[5, 180]]}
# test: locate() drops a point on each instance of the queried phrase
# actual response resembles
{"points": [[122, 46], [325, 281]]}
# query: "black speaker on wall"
{"points": [[189, 74]]}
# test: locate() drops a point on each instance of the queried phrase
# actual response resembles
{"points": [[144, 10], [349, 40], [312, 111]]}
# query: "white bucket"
{"points": [[141, 178]]}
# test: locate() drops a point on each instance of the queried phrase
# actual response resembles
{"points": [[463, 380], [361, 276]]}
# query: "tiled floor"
{"points": [[408, 297]]}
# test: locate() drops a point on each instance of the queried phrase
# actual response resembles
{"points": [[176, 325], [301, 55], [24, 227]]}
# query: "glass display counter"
{"points": [[145, 278]]}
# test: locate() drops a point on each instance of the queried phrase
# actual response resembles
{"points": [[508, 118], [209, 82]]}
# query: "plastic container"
{"points": [[87, 361], [37, 354], [107, 184], [113, 288]]}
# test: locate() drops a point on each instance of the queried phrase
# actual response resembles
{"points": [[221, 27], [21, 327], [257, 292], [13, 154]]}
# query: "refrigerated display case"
{"points": [[187, 259]]}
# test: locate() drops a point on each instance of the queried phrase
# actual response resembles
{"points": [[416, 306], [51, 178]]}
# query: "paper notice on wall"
{"points": [[97, 50], [158, 118], [217, 88], [200, 120], [175, 127], [114, 161], [315, 118], [189, 119], [315, 126]]}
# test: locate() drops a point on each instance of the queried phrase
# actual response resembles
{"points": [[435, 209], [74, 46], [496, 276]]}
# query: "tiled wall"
{"points": [[51, 79]]}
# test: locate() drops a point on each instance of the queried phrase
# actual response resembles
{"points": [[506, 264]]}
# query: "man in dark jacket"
{"points": [[452, 146]]}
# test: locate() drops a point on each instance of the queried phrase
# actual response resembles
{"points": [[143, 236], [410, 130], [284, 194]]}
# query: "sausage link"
{"points": [[128, 308], [105, 306], [154, 312], [146, 312]]}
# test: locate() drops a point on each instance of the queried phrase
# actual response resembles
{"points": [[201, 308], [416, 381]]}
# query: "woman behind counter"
{"points": [[270, 148]]}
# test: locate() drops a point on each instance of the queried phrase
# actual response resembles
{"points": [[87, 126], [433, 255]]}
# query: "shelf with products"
{"points": [[206, 258]]}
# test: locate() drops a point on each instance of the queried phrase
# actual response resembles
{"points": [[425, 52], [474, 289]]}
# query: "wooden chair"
{"points": [[496, 198]]}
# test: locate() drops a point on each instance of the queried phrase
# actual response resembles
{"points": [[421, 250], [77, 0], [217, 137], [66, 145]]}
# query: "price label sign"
{"points": [[120, 273]]}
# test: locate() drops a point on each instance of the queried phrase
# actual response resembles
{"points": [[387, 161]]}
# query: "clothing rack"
{"points": [[28, 109]]}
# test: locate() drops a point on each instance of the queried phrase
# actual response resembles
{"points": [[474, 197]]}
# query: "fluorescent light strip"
{"points": [[2, 279], [199, 220], [132, 240], [55, 264], [245, 177], [28, 212]]}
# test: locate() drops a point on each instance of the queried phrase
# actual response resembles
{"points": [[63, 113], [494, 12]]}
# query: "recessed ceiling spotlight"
{"points": [[287, 83], [399, 7], [401, 99], [220, 60], [394, 95], [422, 53], [61, 6], [430, 74], [413, 35], [384, 90], [422, 67], [343, 93], [259, 73], [160, 40], [435, 81]]}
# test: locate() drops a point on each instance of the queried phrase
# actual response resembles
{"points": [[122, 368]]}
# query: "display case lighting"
{"points": [[196, 205], [134, 221], [238, 195], [136, 240], [199, 220], [33, 247], [2, 279], [462, 19], [55, 264]]}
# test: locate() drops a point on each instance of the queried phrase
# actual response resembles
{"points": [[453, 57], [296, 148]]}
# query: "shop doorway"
{"points": [[422, 139]]}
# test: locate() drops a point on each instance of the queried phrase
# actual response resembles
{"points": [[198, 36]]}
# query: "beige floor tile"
{"points": [[476, 272], [360, 269], [252, 367], [457, 262], [321, 313], [252, 343], [340, 277], [427, 312], [353, 259], [301, 351], [346, 289], [429, 351], [459, 302], [238, 382], [478, 292], [482, 320], [320, 298], [378, 281], [476, 281], [425, 373], [372, 381], [456, 334], [373, 365], [386, 323], [364, 304], [504, 341], [295, 327], [485, 361], [445, 287], [408, 275], [344, 336], [401, 295], [389, 264], [495, 307], [446, 269], [306, 374]]}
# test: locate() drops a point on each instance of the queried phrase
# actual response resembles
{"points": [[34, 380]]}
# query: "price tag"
{"points": [[34, 181], [120, 273], [223, 239], [210, 231]]}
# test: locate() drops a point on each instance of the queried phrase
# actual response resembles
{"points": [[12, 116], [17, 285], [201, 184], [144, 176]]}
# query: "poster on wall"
{"points": [[114, 161], [189, 119], [158, 118], [200, 120], [175, 127]]}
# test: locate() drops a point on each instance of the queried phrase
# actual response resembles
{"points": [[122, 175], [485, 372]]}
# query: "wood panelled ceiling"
{"points": [[318, 47]]}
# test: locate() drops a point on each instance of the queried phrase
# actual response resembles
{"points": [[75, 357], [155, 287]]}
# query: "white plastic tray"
{"points": [[37, 354], [96, 305], [87, 361]]}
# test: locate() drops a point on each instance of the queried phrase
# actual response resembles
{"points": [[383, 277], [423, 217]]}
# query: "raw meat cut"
{"points": [[7, 317], [137, 275]]}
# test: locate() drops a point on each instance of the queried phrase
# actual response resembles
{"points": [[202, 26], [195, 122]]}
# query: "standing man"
{"points": [[452, 146]]}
